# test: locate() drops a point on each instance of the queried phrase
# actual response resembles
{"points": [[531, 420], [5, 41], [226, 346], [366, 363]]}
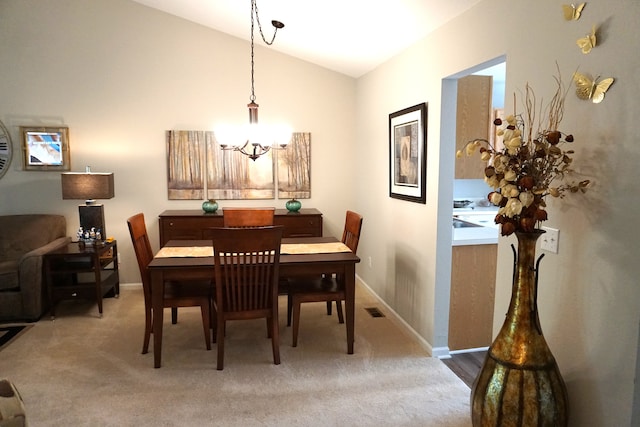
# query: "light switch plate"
{"points": [[550, 240]]}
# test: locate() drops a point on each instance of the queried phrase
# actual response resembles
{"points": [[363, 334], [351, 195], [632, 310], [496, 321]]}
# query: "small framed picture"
{"points": [[408, 154], [45, 148]]}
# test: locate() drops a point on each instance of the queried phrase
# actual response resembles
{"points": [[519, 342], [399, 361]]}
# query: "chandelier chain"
{"points": [[254, 11]]}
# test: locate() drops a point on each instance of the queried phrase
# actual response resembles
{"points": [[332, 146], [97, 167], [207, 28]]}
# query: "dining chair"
{"points": [[246, 268], [176, 294], [247, 217], [328, 288]]}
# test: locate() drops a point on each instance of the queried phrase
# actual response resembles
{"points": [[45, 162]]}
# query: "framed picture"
{"points": [[45, 148], [408, 154]]}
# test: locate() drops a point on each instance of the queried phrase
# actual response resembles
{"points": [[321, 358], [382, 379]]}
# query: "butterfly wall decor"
{"points": [[572, 12], [589, 88], [588, 42]]}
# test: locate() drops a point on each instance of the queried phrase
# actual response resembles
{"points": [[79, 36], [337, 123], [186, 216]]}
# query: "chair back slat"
{"points": [[246, 269], [352, 228], [143, 251], [248, 217]]}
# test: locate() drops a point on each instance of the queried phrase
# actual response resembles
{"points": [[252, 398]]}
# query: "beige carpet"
{"points": [[80, 370]]}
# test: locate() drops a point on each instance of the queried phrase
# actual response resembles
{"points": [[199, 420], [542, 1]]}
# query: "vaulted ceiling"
{"points": [[348, 36]]}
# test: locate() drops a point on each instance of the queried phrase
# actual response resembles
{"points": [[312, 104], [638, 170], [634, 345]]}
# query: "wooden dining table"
{"points": [[163, 269]]}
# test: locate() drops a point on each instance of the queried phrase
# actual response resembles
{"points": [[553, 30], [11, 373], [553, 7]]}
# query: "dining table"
{"points": [[299, 257]]}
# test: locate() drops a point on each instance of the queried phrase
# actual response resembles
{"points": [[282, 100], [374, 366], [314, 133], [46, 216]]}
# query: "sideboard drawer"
{"points": [[300, 226], [186, 228]]}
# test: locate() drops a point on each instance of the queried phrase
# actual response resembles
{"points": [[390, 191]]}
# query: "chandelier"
{"points": [[253, 140]]}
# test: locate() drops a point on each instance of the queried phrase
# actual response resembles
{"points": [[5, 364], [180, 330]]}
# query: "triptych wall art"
{"points": [[197, 169]]}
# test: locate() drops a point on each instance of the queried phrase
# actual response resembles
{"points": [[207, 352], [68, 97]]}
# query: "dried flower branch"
{"points": [[523, 172]]}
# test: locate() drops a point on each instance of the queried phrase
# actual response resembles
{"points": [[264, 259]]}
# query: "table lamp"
{"points": [[89, 186]]}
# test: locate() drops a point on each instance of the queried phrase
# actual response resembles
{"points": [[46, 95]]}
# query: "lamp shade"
{"points": [[87, 186]]}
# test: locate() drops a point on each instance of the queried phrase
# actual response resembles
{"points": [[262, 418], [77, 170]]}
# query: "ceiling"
{"points": [[349, 36]]}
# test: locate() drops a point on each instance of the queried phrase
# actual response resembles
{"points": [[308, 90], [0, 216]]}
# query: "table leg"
{"points": [[49, 278], [157, 314], [350, 298], [98, 280]]}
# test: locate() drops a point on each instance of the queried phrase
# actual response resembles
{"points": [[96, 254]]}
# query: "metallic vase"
{"points": [[520, 383]]}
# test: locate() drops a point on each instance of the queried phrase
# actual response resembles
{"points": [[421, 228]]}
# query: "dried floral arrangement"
{"points": [[528, 162]]}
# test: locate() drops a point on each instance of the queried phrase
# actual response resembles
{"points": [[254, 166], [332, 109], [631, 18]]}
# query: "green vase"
{"points": [[210, 206], [293, 205], [520, 384]]}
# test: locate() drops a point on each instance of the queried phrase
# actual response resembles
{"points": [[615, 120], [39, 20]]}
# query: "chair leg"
{"points": [[174, 315], [296, 322], [148, 327], [339, 310], [289, 308], [269, 327], [205, 309], [275, 340], [220, 333], [214, 322], [329, 308]]}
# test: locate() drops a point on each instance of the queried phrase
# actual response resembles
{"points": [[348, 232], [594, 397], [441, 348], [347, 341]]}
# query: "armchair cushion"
{"points": [[23, 241]]}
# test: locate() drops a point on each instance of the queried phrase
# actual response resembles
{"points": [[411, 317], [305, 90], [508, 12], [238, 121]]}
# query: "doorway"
{"points": [[470, 304]]}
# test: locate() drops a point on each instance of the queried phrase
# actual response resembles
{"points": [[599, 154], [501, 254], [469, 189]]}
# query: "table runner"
{"points": [[313, 248], [285, 248], [185, 252]]}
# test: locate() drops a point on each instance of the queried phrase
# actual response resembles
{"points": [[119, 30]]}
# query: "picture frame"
{"points": [[45, 148], [408, 154]]}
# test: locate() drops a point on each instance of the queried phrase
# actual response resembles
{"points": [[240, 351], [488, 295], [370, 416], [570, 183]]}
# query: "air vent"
{"points": [[374, 312]]}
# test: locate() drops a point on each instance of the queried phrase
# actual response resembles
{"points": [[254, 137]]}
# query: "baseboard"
{"points": [[442, 352], [433, 352], [131, 285], [469, 350]]}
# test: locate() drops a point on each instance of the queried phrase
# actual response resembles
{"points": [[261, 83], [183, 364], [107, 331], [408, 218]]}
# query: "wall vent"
{"points": [[374, 312]]}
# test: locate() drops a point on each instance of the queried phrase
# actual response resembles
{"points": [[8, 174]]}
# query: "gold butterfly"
{"points": [[589, 42], [572, 12], [588, 88]]}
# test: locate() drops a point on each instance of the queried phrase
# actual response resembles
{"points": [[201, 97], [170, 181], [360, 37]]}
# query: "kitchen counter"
{"points": [[486, 234], [475, 236]]}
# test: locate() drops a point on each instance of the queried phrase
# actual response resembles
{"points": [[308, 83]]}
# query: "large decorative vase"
{"points": [[520, 383]]}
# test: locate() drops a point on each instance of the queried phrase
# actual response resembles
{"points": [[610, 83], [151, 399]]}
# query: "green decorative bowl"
{"points": [[293, 205], [210, 206]]}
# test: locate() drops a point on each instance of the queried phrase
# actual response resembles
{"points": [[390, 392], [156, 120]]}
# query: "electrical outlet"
{"points": [[550, 240]]}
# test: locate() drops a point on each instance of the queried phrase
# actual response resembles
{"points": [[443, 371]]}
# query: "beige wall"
{"points": [[589, 296], [119, 75]]}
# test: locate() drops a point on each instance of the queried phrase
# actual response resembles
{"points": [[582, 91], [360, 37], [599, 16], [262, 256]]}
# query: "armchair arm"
{"points": [[30, 275]]}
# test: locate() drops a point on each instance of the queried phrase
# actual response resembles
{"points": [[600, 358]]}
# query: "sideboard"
{"points": [[190, 224]]}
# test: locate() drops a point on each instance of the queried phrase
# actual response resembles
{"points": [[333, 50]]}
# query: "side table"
{"points": [[63, 268]]}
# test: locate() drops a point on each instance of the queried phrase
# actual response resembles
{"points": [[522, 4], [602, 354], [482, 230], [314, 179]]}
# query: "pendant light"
{"points": [[254, 139]]}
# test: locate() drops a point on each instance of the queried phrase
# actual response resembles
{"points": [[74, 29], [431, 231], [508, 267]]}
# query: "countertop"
{"points": [[485, 235]]}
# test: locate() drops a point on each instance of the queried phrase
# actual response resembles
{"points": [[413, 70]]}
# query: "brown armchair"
{"points": [[23, 241]]}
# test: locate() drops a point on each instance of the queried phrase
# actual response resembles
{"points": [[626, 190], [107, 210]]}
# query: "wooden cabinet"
{"points": [[190, 224], [473, 277], [474, 120]]}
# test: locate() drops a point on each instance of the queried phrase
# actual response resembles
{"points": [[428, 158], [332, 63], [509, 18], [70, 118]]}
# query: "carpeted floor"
{"points": [[10, 332], [80, 370]]}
